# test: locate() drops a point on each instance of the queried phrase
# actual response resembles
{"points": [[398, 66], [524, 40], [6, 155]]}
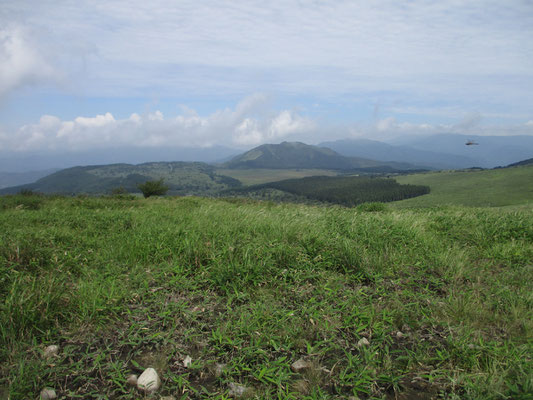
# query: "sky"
{"points": [[78, 75]]}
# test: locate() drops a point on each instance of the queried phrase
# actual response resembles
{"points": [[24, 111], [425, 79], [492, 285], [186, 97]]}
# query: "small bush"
{"points": [[26, 202], [153, 188], [118, 191], [29, 192]]}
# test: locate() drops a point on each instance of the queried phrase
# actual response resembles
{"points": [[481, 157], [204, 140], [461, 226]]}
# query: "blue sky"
{"points": [[90, 74]]}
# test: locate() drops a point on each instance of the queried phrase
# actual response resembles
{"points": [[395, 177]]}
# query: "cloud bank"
{"points": [[250, 123], [239, 127]]}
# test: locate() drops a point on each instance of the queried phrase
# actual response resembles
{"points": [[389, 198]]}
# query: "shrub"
{"points": [[153, 188], [118, 191]]}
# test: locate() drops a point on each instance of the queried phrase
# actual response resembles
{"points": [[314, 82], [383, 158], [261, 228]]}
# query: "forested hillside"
{"points": [[345, 190], [183, 178]]}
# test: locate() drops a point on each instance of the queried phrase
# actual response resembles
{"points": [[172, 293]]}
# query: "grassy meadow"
{"points": [[478, 188], [391, 304]]}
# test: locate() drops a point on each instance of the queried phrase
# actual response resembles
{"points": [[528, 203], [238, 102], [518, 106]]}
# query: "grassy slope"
{"points": [[493, 188], [259, 176], [122, 285], [183, 178]]}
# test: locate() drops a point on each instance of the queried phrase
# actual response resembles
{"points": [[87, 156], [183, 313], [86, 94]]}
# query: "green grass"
{"points": [[259, 176], [126, 284], [490, 188]]}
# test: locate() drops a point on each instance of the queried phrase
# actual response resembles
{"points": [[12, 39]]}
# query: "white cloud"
{"points": [[253, 132], [98, 121], [470, 123], [21, 62], [238, 127]]}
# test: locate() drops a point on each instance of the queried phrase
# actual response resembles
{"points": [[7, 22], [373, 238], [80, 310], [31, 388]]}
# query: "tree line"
{"points": [[344, 190]]}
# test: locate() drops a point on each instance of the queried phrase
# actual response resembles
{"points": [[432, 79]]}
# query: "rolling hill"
{"points": [[183, 178], [291, 155], [493, 188]]}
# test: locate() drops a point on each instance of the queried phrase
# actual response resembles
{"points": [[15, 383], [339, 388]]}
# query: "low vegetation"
{"points": [[153, 188], [479, 188], [378, 303]]}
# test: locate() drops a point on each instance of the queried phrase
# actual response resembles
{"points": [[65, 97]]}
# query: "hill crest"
{"points": [[287, 155]]}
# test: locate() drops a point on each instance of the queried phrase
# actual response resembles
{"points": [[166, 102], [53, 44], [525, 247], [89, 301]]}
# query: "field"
{"points": [[395, 304], [484, 188], [258, 176]]}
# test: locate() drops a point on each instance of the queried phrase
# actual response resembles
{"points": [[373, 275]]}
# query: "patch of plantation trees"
{"points": [[345, 190]]}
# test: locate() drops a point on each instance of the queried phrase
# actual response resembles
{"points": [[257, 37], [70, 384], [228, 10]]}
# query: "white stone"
{"points": [[399, 335], [187, 361], [132, 380], [237, 390], [149, 381], [51, 351], [300, 365], [219, 370], [363, 342], [48, 394]]}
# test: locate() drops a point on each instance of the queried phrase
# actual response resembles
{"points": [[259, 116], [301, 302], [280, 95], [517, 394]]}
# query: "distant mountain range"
{"points": [[32, 161], [529, 161], [446, 151], [292, 155], [188, 178], [443, 151], [387, 152], [491, 151]]}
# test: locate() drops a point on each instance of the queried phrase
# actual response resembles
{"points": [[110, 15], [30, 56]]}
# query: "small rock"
{"points": [[363, 342], [219, 370], [399, 335], [187, 361], [237, 390], [300, 365], [132, 380], [48, 394], [167, 398], [149, 381], [51, 351]]}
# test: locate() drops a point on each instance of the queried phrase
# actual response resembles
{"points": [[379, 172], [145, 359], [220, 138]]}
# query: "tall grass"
{"points": [[124, 284]]}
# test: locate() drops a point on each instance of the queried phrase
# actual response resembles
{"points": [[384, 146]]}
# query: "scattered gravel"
{"points": [[149, 381], [132, 380], [48, 394], [51, 351], [300, 365], [187, 361], [237, 390]]}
